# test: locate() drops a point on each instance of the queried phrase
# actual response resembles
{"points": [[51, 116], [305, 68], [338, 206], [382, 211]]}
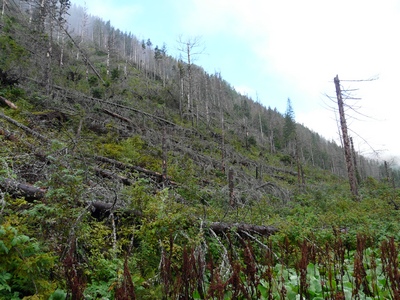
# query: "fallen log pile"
{"points": [[101, 210], [158, 177]]}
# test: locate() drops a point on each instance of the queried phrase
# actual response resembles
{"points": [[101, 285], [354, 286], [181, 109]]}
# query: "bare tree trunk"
{"points": [[346, 142], [299, 167], [42, 16], [222, 140], [85, 58], [357, 173], [62, 51], [232, 201], [190, 104], [387, 173], [181, 96], [165, 156], [49, 55], [259, 119], [108, 58], [188, 47], [206, 102], [312, 154], [390, 179], [3, 8]]}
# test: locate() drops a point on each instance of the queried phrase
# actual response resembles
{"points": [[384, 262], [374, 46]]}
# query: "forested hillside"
{"points": [[126, 173]]}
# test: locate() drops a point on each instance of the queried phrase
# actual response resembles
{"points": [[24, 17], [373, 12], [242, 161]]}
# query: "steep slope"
{"points": [[113, 184]]}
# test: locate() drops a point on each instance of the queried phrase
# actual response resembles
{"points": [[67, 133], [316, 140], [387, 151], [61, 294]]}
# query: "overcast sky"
{"points": [[275, 50]]}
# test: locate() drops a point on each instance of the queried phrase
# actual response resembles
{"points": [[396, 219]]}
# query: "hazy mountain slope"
{"points": [[123, 176]]}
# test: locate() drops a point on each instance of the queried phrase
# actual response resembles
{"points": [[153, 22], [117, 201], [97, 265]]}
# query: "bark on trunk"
{"points": [[110, 113], [17, 189], [346, 141], [221, 227], [8, 103], [23, 127]]}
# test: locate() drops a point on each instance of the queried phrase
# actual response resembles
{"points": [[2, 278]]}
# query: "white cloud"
{"points": [[246, 91]]}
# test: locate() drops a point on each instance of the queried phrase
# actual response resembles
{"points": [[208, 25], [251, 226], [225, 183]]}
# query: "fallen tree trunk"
{"points": [[158, 177], [8, 103], [124, 166], [85, 58], [101, 210], [110, 113], [17, 189], [25, 128], [221, 227]]}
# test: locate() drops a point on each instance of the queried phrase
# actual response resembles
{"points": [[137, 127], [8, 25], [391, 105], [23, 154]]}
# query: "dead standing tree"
{"points": [[190, 47], [346, 141]]}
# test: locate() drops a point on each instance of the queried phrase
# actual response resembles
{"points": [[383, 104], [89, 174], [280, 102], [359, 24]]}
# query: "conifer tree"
{"points": [[289, 129]]}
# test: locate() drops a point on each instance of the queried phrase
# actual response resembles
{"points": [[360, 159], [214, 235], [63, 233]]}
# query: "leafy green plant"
{"points": [[25, 267]]}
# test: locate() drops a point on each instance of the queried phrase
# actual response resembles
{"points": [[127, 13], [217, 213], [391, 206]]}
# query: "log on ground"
{"points": [[18, 189], [221, 227]]}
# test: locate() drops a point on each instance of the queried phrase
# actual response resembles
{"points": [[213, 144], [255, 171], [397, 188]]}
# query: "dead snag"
{"points": [[346, 141], [232, 201]]}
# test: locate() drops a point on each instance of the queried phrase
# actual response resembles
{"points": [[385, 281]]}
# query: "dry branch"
{"points": [[85, 58], [8, 103], [132, 109], [75, 94], [275, 190], [110, 113]]}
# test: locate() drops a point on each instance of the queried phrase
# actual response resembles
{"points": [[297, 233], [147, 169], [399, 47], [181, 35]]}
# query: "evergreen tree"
{"points": [[289, 129]]}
